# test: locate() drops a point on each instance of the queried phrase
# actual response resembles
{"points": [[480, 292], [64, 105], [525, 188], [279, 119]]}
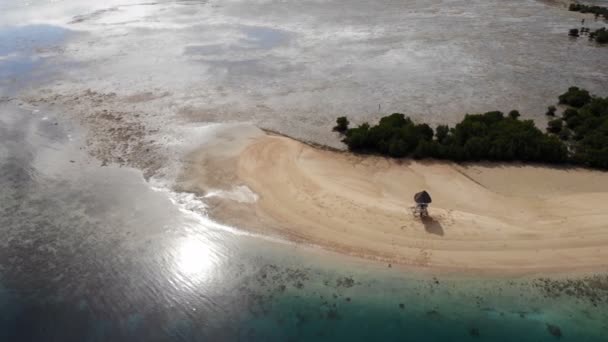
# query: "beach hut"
{"points": [[422, 200]]}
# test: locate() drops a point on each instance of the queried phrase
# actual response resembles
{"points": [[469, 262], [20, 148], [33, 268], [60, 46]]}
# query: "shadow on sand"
{"points": [[432, 226]]}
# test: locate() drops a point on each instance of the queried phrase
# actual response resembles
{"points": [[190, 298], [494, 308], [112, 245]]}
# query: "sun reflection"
{"points": [[195, 258]]}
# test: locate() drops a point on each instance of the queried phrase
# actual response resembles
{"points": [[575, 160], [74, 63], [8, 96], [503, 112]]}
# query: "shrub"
{"points": [[356, 138], [441, 132], [570, 112], [514, 114], [341, 124], [425, 131], [397, 148], [575, 97], [476, 148], [395, 120], [600, 35], [555, 126], [571, 118], [551, 111], [573, 32], [426, 149]]}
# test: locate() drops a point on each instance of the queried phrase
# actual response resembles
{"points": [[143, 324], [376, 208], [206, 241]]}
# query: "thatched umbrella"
{"points": [[422, 197]]}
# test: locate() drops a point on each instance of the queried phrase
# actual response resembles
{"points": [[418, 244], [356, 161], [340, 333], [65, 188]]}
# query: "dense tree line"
{"points": [[579, 136], [586, 126]]}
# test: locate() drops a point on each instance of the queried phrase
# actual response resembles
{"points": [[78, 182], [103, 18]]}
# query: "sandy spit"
{"points": [[508, 219]]}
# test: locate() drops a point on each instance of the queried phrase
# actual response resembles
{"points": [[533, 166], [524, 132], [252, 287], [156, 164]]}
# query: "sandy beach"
{"points": [[484, 217]]}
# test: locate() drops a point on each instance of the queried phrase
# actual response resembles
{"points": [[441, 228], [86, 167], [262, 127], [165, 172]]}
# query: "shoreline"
{"points": [[344, 203], [490, 164]]}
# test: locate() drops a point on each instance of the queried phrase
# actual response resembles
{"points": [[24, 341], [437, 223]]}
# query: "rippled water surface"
{"points": [[98, 253]]}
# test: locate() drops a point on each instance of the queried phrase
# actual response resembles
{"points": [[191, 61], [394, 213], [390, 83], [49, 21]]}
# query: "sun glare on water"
{"points": [[195, 258]]}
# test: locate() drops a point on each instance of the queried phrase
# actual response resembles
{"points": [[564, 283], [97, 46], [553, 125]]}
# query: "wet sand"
{"points": [[513, 219]]}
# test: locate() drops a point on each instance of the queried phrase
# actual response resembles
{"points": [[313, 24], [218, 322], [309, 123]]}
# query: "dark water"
{"points": [[91, 253]]}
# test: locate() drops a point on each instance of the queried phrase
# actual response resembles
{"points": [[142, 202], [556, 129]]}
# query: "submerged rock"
{"points": [[554, 330], [474, 332], [345, 282], [433, 314], [593, 288], [333, 314]]}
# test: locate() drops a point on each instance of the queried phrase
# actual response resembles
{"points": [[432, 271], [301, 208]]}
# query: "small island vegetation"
{"points": [[579, 136], [593, 9], [341, 124], [573, 32], [600, 35]]}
